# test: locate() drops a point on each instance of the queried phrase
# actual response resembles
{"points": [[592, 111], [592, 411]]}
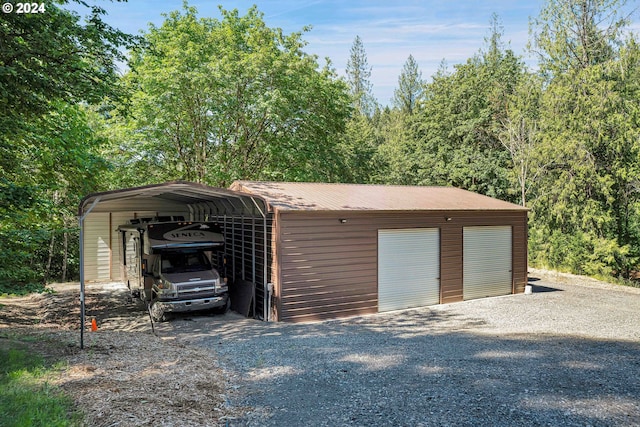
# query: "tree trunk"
{"points": [[65, 246], [47, 270]]}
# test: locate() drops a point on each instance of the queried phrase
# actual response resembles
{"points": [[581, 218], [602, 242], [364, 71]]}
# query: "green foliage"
{"points": [[585, 209], [572, 34], [218, 100], [519, 134], [454, 138], [358, 149], [579, 253], [395, 157], [38, 229], [358, 78], [26, 398], [590, 134], [51, 66], [53, 56], [410, 87]]}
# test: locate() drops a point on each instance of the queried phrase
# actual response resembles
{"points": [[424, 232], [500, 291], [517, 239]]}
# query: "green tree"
{"points": [[458, 134], [58, 164], [590, 134], [575, 34], [410, 87], [358, 149], [395, 159], [358, 77], [218, 100], [52, 56], [586, 204], [49, 64]]}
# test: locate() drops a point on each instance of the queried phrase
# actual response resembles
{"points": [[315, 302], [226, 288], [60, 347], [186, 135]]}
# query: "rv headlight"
{"points": [[166, 287]]}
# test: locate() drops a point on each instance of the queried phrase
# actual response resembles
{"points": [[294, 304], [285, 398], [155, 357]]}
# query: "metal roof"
{"points": [[299, 196], [162, 196]]}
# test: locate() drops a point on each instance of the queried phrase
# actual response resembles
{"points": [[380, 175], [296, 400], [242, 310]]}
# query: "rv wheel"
{"points": [[223, 309], [157, 313]]}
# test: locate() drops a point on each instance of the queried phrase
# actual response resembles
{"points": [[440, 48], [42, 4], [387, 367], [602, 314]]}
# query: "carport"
{"points": [[329, 250], [244, 220]]}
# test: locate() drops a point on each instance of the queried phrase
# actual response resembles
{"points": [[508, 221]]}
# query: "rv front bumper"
{"points": [[193, 304]]}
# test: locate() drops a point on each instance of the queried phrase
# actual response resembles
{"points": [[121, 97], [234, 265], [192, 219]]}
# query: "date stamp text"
{"points": [[23, 8]]}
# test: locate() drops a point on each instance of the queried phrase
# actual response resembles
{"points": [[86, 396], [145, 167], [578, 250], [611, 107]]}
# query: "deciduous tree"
{"points": [[218, 100]]}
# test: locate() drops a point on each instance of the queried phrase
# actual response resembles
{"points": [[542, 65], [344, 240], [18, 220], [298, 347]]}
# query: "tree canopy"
{"points": [[215, 100], [52, 66]]}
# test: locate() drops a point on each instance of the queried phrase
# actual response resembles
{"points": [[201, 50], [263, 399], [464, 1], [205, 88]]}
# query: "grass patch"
{"points": [[26, 398]]}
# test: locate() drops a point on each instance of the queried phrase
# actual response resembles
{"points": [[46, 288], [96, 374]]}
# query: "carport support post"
{"points": [[265, 253], [81, 218]]}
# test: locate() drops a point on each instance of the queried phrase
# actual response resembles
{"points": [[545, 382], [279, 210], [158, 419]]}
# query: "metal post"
{"points": [[81, 219], [242, 246], [265, 256], [265, 261], [82, 282]]}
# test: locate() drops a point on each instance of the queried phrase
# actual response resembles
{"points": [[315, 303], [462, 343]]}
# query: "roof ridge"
{"points": [[344, 183]]}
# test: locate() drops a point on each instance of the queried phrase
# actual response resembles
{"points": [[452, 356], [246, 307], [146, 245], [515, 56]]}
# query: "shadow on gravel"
{"points": [[423, 368], [540, 288]]}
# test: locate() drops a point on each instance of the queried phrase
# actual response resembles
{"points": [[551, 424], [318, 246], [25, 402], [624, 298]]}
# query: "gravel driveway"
{"points": [[566, 355]]}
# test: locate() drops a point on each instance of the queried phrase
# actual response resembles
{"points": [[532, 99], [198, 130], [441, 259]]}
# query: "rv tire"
{"points": [[157, 313], [223, 309]]}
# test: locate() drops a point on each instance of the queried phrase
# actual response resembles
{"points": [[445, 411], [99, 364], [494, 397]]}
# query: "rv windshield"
{"points": [[183, 262]]}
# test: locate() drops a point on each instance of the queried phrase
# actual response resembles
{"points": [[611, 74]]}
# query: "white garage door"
{"points": [[408, 268], [487, 261]]}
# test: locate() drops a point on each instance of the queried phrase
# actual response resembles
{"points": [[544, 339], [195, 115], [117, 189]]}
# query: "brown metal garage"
{"points": [[333, 250], [345, 249]]}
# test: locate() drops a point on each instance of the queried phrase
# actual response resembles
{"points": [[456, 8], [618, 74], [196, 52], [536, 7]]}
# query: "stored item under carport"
{"points": [[168, 264]]}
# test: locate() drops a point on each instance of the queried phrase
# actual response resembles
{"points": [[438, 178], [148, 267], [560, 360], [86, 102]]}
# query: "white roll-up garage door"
{"points": [[408, 268], [487, 261]]}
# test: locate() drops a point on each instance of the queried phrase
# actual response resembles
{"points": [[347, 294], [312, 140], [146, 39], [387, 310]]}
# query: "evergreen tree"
{"points": [[358, 75], [410, 87], [585, 204], [575, 34]]}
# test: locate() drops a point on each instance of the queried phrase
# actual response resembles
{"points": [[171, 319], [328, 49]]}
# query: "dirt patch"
{"points": [[125, 375]]}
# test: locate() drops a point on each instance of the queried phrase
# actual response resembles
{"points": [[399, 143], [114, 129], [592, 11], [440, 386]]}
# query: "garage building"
{"points": [[316, 251]]}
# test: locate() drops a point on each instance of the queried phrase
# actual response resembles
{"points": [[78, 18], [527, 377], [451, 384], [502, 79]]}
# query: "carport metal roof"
{"points": [[158, 196]]}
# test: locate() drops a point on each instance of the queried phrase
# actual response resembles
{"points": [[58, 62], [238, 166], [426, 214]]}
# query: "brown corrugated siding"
{"points": [[450, 263], [327, 269], [520, 255]]}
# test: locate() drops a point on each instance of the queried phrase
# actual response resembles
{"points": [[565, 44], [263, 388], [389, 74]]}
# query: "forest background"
{"points": [[215, 100]]}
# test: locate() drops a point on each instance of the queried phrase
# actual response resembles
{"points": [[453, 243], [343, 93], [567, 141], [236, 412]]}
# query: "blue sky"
{"points": [[431, 31]]}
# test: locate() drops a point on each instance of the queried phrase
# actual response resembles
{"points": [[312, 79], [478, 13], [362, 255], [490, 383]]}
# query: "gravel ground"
{"points": [[566, 355]]}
